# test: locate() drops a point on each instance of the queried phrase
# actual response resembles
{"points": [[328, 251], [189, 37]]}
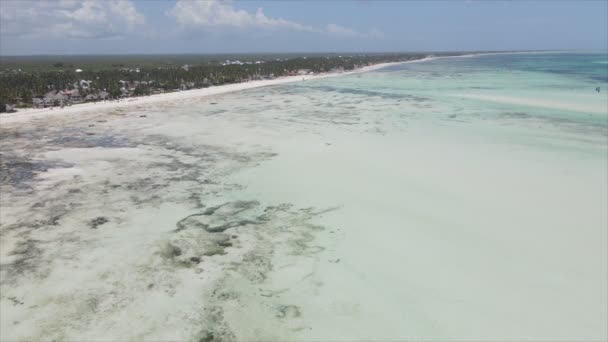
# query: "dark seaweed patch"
{"points": [[288, 311], [98, 221], [516, 115], [18, 170], [383, 95], [76, 139], [28, 255]]}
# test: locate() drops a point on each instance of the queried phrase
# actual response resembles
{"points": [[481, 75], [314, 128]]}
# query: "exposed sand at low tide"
{"points": [[97, 218], [294, 213], [595, 108], [102, 227], [26, 114]]}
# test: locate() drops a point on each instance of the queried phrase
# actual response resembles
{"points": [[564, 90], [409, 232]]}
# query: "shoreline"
{"points": [[32, 113], [190, 216]]}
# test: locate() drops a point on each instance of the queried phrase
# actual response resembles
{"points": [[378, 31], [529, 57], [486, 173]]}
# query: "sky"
{"points": [[32, 27]]}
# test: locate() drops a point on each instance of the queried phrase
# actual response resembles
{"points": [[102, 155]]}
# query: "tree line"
{"points": [[20, 87]]}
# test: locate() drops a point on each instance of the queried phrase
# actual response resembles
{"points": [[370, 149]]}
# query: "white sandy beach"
{"points": [[29, 113], [26, 114]]}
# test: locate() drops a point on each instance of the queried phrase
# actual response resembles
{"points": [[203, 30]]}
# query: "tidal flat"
{"points": [[378, 206], [106, 222]]}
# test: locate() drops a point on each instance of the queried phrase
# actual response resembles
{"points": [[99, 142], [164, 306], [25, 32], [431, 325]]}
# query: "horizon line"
{"points": [[301, 52]]}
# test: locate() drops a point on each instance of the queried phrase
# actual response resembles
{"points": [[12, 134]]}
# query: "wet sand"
{"points": [[27, 114], [107, 222], [322, 210]]}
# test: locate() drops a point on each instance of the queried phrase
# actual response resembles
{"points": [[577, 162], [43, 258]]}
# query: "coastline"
{"points": [[32, 113], [297, 215]]}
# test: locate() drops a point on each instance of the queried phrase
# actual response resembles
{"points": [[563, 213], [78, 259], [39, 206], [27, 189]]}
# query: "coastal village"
{"points": [[68, 97], [56, 85]]}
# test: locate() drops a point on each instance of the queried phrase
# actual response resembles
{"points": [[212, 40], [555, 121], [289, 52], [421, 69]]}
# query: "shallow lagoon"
{"points": [[456, 199], [471, 196]]}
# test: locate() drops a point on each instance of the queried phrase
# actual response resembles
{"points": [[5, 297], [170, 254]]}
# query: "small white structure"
{"points": [[229, 62], [85, 84], [78, 70]]}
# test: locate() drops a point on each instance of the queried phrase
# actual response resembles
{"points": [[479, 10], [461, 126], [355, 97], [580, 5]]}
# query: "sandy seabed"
{"points": [[117, 214], [299, 213], [26, 114]]}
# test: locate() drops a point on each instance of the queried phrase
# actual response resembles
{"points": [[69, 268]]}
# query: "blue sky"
{"points": [[214, 26]]}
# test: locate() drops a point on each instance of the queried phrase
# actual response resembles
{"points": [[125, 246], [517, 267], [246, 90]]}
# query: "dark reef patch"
{"points": [[27, 259], [98, 221], [516, 115], [78, 138], [19, 170], [353, 91]]}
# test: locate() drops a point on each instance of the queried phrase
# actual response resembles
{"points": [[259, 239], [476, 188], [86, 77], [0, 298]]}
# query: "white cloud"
{"points": [[263, 21], [220, 14], [69, 18], [337, 30], [96, 19], [341, 30]]}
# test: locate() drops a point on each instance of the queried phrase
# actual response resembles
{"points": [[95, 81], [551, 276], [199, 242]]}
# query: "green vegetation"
{"points": [[23, 78]]}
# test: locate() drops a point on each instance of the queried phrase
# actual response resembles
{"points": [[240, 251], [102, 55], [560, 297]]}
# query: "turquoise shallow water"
{"points": [[545, 99], [457, 199], [471, 196], [564, 81]]}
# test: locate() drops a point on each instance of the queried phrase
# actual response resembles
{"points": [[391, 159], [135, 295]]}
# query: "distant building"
{"points": [[38, 102], [102, 95], [9, 108], [54, 98], [229, 62], [75, 96], [85, 84], [91, 97], [78, 70]]}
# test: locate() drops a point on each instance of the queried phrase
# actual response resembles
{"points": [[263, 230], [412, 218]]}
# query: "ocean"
{"points": [[451, 199], [467, 201]]}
